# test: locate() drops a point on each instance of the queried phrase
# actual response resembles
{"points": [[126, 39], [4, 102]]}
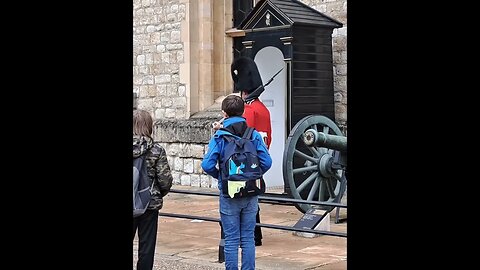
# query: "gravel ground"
{"points": [[165, 262]]}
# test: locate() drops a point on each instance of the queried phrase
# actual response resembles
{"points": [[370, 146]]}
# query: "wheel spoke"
{"points": [[304, 169], [307, 181], [330, 190], [337, 177], [326, 129], [314, 151], [314, 189], [321, 193], [300, 154]]}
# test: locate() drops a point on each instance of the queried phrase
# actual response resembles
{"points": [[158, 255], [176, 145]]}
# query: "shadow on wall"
{"points": [[135, 100]]}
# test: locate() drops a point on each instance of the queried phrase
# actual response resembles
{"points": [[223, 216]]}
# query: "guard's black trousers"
{"points": [[258, 230], [147, 225]]}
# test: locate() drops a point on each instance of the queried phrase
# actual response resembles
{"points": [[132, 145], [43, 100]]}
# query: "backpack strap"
{"points": [[144, 163], [248, 133]]}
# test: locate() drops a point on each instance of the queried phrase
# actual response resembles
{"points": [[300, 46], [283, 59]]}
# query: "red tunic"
{"points": [[258, 116]]}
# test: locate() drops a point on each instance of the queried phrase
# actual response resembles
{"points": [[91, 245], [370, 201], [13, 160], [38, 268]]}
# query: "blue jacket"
{"points": [[215, 150]]}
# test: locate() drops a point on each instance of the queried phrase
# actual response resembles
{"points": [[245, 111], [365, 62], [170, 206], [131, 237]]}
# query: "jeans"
{"points": [[238, 223]]}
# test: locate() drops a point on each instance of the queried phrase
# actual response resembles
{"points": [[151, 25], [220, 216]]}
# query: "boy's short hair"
{"points": [[233, 105]]}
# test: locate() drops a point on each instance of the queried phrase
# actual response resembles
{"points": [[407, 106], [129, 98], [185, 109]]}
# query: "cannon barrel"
{"points": [[313, 138]]}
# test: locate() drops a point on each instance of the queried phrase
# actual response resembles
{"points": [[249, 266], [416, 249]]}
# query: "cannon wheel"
{"points": [[303, 166]]}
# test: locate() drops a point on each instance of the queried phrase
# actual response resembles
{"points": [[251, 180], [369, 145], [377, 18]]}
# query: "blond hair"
{"points": [[142, 123]]}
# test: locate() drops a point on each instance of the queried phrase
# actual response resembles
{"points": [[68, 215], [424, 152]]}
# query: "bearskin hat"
{"points": [[245, 74]]}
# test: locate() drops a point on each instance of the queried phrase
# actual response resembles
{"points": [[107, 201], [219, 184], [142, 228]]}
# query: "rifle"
{"points": [[259, 90]]}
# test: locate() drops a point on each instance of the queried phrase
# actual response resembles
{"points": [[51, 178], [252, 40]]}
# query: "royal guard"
{"points": [[248, 82]]}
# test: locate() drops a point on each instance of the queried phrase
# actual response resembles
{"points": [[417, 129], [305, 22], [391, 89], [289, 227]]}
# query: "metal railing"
{"points": [[261, 199]]}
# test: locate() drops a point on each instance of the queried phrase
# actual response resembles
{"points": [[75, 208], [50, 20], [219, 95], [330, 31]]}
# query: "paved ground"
{"points": [[194, 244]]}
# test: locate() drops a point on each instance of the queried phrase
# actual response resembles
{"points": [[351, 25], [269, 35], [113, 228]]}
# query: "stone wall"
{"points": [[157, 53], [185, 142], [185, 158]]}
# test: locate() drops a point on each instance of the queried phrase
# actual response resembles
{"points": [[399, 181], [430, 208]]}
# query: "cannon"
{"points": [[315, 162]]}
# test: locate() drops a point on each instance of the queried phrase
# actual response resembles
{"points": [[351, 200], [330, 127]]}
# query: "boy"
{"points": [[246, 78], [236, 214]]}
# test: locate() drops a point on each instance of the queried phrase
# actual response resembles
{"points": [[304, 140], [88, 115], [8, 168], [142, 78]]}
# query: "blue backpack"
{"points": [[142, 186], [240, 167]]}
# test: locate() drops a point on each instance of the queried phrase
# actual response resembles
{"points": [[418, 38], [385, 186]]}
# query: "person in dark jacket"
{"points": [[158, 171], [236, 214]]}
